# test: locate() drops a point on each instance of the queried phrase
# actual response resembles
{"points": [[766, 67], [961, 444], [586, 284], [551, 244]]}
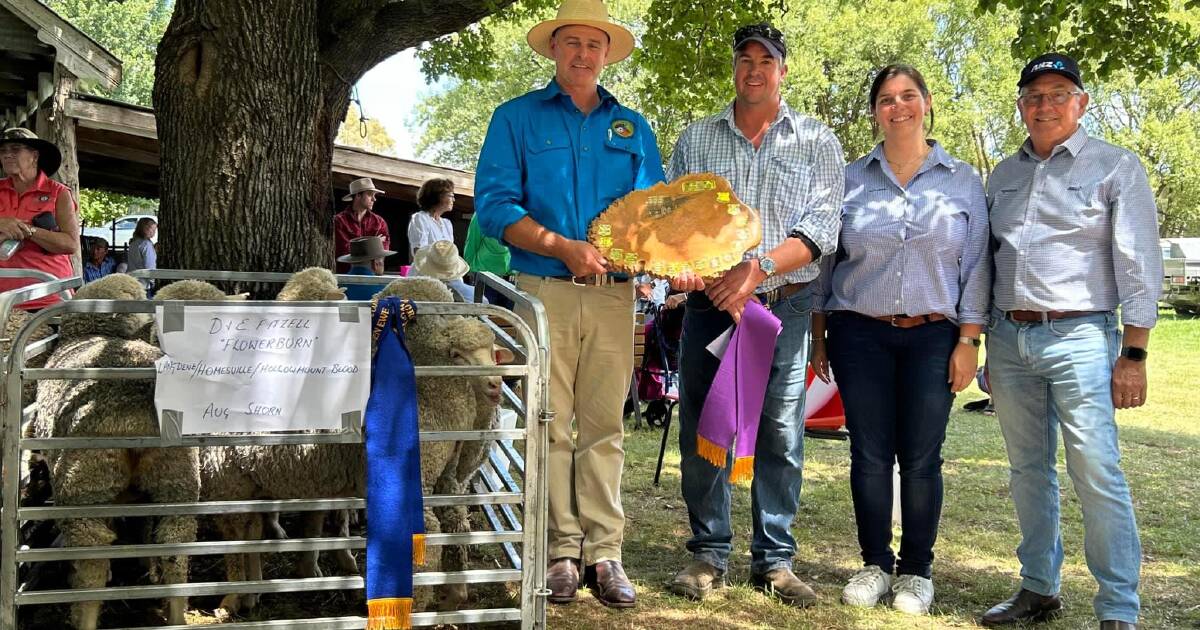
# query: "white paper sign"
{"points": [[241, 368]]}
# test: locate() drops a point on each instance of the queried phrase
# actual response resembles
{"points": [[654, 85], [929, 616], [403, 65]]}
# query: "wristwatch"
{"points": [[1134, 354], [969, 341], [767, 264]]}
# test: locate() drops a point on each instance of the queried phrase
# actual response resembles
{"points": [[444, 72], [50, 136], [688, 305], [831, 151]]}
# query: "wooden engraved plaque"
{"points": [[694, 223]]}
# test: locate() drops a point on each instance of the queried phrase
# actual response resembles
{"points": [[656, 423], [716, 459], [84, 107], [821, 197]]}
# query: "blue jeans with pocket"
{"points": [[893, 383], [1051, 377], [779, 450]]}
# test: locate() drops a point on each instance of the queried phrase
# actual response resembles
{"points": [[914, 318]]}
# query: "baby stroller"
{"points": [[656, 380]]}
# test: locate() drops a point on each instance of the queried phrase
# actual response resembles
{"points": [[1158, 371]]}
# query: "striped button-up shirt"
{"points": [[794, 178], [1076, 232], [911, 250]]}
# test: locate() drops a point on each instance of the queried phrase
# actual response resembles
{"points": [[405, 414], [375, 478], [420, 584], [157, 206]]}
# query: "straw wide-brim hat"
{"points": [[591, 13], [49, 157], [440, 260], [360, 185], [365, 248]]}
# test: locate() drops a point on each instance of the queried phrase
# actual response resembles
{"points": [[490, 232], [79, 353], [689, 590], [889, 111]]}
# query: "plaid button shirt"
{"points": [[795, 178]]}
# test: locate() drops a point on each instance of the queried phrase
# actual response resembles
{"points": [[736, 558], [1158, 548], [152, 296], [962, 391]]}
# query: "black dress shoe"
{"points": [[1024, 606], [562, 578], [1117, 625]]}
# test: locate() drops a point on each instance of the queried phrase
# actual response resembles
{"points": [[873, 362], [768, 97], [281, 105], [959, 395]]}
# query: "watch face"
{"points": [[767, 265]]}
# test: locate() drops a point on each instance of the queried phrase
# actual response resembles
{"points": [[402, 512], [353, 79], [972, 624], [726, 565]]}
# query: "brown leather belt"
{"points": [[1045, 316], [910, 321], [779, 293], [594, 280]]}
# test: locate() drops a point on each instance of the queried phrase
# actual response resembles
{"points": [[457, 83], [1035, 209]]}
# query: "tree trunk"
{"points": [[246, 127], [249, 95]]}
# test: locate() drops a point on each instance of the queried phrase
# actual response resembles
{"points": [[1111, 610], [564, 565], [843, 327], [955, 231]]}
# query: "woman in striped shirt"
{"points": [[905, 299]]}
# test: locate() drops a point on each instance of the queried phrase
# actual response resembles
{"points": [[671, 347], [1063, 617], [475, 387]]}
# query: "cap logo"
{"points": [[1048, 65]]}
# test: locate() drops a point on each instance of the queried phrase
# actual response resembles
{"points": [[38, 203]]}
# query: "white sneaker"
{"points": [[912, 594], [866, 587]]}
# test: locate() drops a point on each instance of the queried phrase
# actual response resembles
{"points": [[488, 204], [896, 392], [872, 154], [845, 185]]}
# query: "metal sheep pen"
{"points": [[500, 490]]}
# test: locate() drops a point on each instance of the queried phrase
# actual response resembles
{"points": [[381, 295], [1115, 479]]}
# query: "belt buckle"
{"points": [[893, 321]]}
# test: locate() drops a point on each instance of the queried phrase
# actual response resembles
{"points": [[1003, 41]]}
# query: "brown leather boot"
{"points": [[608, 583], [562, 578], [697, 580], [784, 584], [1025, 605]]}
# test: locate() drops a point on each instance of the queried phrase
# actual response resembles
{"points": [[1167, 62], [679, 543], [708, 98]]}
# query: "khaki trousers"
{"points": [[591, 363]]}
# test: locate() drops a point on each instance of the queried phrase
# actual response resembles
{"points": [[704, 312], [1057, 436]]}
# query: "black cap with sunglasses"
{"points": [[770, 37], [1050, 62]]}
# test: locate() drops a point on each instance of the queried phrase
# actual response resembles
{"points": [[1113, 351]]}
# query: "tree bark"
{"points": [[248, 97]]}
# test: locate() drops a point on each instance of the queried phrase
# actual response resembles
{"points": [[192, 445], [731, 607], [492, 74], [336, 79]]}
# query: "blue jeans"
{"points": [[897, 400], [1059, 375], [779, 451]]}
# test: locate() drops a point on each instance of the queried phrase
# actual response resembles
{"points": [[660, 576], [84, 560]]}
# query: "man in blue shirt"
{"points": [[365, 259], [99, 263], [553, 160]]}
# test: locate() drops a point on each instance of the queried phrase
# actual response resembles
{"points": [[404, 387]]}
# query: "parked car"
{"points": [[120, 230], [1181, 271]]}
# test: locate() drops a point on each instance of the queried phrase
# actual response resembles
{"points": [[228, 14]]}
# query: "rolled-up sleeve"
{"points": [[975, 270], [498, 177], [821, 219], [1137, 258]]}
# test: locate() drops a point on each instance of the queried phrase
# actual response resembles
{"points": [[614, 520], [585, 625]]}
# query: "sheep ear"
{"points": [[237, 297], [503, 355], [336, 294]]}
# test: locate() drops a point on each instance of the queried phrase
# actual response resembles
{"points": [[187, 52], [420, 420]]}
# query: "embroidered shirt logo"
{"points": [[623, 128], [44, 198]]}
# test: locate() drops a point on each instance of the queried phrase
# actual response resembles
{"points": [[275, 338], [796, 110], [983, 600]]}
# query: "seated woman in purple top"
{"points": [[905, 299]]}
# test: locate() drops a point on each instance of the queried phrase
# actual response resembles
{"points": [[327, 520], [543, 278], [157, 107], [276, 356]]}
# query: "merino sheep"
{"points": [[113, 407], [328, 470]]}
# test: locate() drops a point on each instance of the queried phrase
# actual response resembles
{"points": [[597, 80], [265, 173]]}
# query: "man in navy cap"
{"points": [[1075, 233]]}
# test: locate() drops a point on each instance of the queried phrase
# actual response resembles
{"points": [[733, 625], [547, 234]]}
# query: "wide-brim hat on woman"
{"points": [[49, 157], [591, 13], [440, 260], [365, 248], [361, 185]]}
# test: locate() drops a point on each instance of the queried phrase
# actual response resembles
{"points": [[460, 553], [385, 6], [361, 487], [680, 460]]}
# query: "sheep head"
{"points": [[196, 290], [418, 289], [117, 286], [312, 284], [471, 342]]}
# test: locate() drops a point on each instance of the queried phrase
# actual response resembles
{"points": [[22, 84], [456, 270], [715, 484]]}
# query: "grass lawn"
{"points": [[976, 565]]}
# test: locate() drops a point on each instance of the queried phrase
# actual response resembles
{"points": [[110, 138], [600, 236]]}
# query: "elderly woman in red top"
{"points": [[37, 214]]}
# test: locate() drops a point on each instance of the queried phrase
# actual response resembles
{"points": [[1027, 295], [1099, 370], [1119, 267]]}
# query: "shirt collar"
{"points": [[935, 149], [1072, 145], [41, 184], [784, 113], [554, 90]]}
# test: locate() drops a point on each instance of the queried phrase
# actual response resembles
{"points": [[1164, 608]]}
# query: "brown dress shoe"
{"points": [[784, 584], [1025, 605], [608, 583], [562, 578], [1110, 624]]}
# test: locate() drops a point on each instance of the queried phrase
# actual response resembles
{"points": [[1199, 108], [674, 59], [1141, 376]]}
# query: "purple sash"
{"points": [[735, 399]]}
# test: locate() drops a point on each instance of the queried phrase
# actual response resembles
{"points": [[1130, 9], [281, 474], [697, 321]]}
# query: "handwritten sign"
{"points": [[240, 368]]}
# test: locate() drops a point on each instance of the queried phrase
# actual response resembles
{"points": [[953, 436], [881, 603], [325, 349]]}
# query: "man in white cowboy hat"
{"points": [[441, 260], [365, 259], [358, 220], [553, 160]]}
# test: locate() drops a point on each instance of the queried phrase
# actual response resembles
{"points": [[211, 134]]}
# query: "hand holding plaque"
{"points": [[694, 223]]}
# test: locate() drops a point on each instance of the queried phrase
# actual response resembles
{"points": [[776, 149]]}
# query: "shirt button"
{"points": [[897, 274], [1028, 222], [897, 301], [1021, 252], [585, 148]]}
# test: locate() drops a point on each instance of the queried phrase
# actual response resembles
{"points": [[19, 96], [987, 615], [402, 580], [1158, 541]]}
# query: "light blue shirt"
{"points": [[794, 178], [911, 250], [543, 158], [1076, 232]]}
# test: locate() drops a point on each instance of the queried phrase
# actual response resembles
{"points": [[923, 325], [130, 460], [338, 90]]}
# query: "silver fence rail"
{"points": [[501, 494]]}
